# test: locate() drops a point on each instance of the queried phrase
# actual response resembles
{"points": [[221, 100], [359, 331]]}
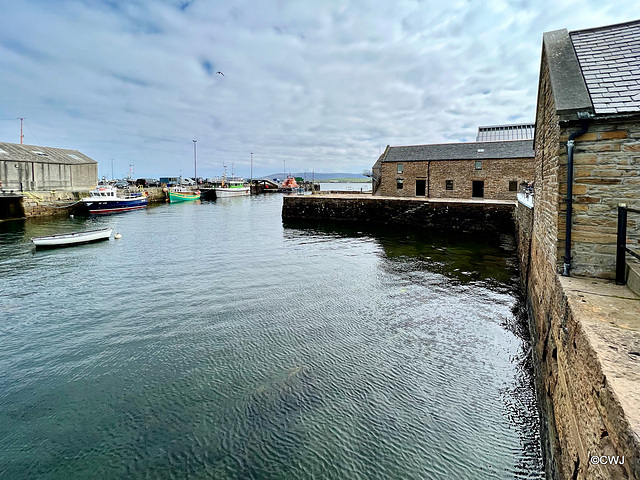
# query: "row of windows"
{"points": [[448, 185], [400, 167]]}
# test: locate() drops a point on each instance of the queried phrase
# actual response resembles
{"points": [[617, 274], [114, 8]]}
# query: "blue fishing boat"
{"points": [[105, 199]]}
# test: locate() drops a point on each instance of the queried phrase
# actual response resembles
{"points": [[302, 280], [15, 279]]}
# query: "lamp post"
{"points": [[251, 178], [195, 163]]}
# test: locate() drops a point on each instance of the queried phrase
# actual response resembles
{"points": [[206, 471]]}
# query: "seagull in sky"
{"points": [[221, 73]]}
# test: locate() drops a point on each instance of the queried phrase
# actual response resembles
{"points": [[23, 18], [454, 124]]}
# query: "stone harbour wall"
{"points": [[36, 204], [461, 216]]}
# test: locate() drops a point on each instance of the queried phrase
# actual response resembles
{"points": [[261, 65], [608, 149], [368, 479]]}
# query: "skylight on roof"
{"points": [[74, 156], [2, 151], [38, 152]]}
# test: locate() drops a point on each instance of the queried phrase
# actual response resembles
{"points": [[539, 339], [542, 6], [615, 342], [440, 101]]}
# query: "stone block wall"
{"points": [[36, 204], [495, 173], [606, 173], [582, 413], [467, 217]]}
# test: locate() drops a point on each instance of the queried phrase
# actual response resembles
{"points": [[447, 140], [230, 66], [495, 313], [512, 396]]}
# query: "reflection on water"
{"points": [[212, 341]]}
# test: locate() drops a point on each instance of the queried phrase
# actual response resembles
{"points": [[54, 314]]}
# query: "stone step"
{"points": [[633, 276]]}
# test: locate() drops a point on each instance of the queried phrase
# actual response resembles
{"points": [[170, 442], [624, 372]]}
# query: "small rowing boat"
{"points": [[69, 239]]}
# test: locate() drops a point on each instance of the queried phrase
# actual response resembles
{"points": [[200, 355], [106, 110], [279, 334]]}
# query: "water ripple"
{"points": [[211, 341]]}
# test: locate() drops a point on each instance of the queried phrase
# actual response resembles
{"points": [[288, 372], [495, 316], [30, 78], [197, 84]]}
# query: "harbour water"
{"points": [[212, 341]]}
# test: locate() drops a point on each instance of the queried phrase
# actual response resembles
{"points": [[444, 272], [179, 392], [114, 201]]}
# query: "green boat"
{"points": [[182, 195]]}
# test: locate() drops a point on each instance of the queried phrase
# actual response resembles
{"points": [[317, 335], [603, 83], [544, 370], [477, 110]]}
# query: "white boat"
{"points": [[68, 239], [232, 188], [105, 199]]}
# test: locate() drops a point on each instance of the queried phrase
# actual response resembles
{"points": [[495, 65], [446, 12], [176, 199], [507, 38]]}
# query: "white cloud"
{"points": [[321, 85]]}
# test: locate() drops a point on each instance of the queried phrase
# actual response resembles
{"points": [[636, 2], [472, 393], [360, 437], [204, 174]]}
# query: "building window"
{"points": [[448, 184], [399, 184], [478, 164], [400, 168], [513, 186]]}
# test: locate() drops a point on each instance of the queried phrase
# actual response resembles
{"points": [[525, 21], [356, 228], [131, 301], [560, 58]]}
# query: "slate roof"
{"points": [[32, 153], [494, 133], [609, 58], [461, 151]]}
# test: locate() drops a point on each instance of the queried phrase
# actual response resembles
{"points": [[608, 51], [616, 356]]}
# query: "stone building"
{"points": [[34, 168], [589, 92], [492, 169], [587, 161]]}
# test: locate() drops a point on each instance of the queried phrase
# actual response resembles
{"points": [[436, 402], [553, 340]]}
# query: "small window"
{"points": [[399, 184], [400, 168], [448, 184], [478, 164], [513, 186]]}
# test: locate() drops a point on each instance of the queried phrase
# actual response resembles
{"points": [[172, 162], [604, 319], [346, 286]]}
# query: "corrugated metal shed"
{"points": [[32, 153]]}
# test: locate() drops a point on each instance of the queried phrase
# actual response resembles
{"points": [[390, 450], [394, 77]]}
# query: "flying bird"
{"points": [[221, 73]]}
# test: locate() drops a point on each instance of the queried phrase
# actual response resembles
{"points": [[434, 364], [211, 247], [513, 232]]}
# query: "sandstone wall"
{"points": [[606, 173], [583, 413], [495, 173], [36, 204]]}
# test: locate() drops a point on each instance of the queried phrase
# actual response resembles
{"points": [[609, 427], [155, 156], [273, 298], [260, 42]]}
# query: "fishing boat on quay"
{"points": [[70, 239], [106, 199], [181, 194]]}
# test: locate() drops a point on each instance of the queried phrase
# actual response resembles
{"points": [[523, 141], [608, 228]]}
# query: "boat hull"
{"points": [[222, 192], [116, 205], [183, 196], [71, 239]]}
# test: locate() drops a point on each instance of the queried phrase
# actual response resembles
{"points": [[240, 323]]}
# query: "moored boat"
{"points": [[179, 194], [69, 239], [105, 199], [232, 189], [289, 185]]}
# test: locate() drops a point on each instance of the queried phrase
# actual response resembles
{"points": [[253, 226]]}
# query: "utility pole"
{"points": [[21, 135], [195, 163]]}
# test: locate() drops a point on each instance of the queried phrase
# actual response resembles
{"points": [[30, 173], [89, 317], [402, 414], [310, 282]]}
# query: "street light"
{"points": [[195, 163], [251, 179]]}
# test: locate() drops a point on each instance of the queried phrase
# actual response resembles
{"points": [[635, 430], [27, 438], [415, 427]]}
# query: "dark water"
{"points": [[211, 341]]}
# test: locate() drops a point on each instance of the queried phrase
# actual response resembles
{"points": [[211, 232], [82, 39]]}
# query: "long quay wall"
{"points": [[462, 215]]}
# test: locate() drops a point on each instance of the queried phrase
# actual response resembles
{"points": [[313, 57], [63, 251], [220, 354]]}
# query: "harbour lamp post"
{"points": [[195, 163], [251, 167]]}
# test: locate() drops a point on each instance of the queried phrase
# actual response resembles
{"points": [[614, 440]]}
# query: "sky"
{"points": [[309, 85]]}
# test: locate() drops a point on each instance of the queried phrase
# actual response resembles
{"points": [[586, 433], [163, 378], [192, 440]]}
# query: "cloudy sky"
{"points": [[320, 85]]}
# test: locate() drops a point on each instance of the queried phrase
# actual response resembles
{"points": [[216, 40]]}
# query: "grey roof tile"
{"points": [[609, 58], [461, 151]]}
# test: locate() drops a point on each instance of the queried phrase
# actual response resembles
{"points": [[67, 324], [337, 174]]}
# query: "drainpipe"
{"points": [[584, 116], [429, 179]]}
